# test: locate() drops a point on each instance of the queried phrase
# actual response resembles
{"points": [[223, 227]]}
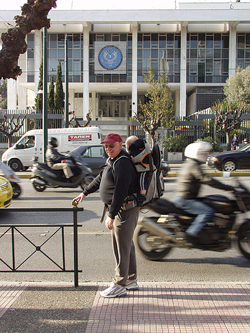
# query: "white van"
{"points": [[19, 157]]}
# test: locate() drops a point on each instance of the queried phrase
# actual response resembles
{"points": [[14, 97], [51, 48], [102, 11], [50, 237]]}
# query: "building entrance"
{"points": [[113, 108]]}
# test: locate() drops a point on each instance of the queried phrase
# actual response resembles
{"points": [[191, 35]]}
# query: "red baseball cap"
{"points": [[112, 138]]}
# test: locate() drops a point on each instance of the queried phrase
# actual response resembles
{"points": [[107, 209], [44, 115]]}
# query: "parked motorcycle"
{"points": [[8, 173], [43, 176], [156, 236]]}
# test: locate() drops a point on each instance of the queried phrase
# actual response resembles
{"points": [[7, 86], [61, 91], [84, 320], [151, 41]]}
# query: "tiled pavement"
{"points": [[174, 307], [155, 308], [9, 292]]}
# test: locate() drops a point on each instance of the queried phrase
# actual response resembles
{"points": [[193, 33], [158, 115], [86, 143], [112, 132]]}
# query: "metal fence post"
{"points": [[75, 247]]}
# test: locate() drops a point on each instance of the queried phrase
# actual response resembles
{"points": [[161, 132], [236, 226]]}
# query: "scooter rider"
{"points": [[54, 158], [189, 181]]}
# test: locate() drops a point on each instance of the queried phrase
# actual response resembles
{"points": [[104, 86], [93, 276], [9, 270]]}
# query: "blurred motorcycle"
{"points": [[156, 236], [44, 177]]}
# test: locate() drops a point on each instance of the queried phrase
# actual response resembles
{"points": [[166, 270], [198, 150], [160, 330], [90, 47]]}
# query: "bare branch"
{"points": [[77, 124]]}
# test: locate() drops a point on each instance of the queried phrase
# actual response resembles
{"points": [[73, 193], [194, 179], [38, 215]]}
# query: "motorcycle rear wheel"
{"points": [[142, 240], [16, 190], [39, 187], [244, 239], [86, 181]]}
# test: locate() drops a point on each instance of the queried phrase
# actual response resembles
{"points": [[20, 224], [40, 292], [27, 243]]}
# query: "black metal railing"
{"points": [[14, 229]]}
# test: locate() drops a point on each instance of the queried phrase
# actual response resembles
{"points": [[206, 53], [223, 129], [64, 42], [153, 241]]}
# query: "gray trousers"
{"points": [[123, 246]]}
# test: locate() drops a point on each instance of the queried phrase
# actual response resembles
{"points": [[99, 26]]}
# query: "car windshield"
{"points": [[76, 150], [245, 148]]}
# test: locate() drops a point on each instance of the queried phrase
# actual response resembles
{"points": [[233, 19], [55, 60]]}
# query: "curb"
{"points": [[218, 174], [175, 174]]}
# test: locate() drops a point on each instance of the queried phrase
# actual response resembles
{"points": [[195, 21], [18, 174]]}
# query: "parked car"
{"points": [[6, 192], [165, 168], [231, 160], [95, 156]]}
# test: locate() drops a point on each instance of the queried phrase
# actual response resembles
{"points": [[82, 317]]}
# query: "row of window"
{"points": [[207, 56]]}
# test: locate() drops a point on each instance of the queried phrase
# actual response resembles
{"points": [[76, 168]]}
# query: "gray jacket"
{"points": [[191, 177], [53, 156]]}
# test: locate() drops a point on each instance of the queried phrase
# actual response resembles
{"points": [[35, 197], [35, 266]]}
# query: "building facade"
{"points": [[199, 45]]}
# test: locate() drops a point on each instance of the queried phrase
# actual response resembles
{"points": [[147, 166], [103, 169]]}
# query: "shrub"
{"points": [[175, 143], [215, 143]]}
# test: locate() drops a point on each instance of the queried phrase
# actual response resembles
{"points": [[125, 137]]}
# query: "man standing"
{"points": [[235, 142], [116, 182]]}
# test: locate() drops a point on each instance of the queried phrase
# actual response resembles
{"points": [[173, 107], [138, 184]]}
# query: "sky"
{"points": [[109, 4]]}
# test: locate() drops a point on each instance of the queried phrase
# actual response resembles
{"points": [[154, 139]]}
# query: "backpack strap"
{"points": [[132, 196]]}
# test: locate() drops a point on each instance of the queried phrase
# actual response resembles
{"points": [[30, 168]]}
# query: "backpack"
{"points": [[147, 161]]}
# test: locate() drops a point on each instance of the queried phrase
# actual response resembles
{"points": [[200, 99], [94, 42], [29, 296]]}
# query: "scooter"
{"points": [[44, 177], [8, 173], [156, 236]]}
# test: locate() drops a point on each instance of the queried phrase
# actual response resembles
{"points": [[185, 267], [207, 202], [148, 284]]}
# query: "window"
{"points": [[243, 50], [94, 152], [164, 51], [207, 56]]}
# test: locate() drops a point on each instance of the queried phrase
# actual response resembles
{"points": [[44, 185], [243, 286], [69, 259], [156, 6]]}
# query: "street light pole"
{"points": [[66, 84], [45, 103]]}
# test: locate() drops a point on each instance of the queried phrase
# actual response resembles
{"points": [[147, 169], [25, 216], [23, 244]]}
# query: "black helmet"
{"points": [[53, 142], [246, 140]]}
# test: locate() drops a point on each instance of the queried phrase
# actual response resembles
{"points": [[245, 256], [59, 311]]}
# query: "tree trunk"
{"points": [[228, 141], [9, 141]]}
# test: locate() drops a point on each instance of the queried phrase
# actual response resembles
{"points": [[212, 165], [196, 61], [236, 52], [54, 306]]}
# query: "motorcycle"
{"points": [[8, 173], [44, 177], [156, 236]]}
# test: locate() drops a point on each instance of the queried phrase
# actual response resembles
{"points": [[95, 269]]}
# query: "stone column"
{"points": [[134, 67], [37, 55], [232, 50], [183, 85], [85, 71]]}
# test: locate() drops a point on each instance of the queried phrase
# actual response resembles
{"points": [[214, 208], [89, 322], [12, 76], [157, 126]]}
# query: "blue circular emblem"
{"points": [[110, 57]]}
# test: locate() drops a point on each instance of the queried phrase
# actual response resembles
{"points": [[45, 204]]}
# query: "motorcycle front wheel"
{"points": [[16, 190], [151, 247], [86, 181], [244, 239]]}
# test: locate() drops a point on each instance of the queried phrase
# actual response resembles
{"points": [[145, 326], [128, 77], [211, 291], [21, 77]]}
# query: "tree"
{"points": [[3, 89], [3, 94], [237, 89], [59, 94], [9, 126], [4, 104], [159, 108], [34, 17], [51, 97], [39, 97], [227, 118]]}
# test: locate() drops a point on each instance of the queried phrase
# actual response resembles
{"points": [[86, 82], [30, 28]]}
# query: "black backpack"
{"points": [[148, 161]]}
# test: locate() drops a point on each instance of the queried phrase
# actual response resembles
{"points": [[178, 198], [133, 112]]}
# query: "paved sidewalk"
{"points": [[155, 308]]}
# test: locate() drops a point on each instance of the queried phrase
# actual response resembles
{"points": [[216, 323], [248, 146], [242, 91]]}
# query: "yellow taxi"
{"points": [[6, 192]]}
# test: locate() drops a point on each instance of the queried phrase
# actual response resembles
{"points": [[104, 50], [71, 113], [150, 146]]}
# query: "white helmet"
{"points": [[198, 151]]}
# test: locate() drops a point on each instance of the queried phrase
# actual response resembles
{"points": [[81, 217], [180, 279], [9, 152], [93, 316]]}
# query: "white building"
{"points": [[199, 45]]}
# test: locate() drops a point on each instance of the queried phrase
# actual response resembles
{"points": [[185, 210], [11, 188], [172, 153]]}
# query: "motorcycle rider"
{"points": [[189, 181], [54, 158], [246, 141]]}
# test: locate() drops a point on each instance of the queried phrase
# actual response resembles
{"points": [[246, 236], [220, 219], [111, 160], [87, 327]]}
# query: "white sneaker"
{"points": [[115, 290], [131, 285]]}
